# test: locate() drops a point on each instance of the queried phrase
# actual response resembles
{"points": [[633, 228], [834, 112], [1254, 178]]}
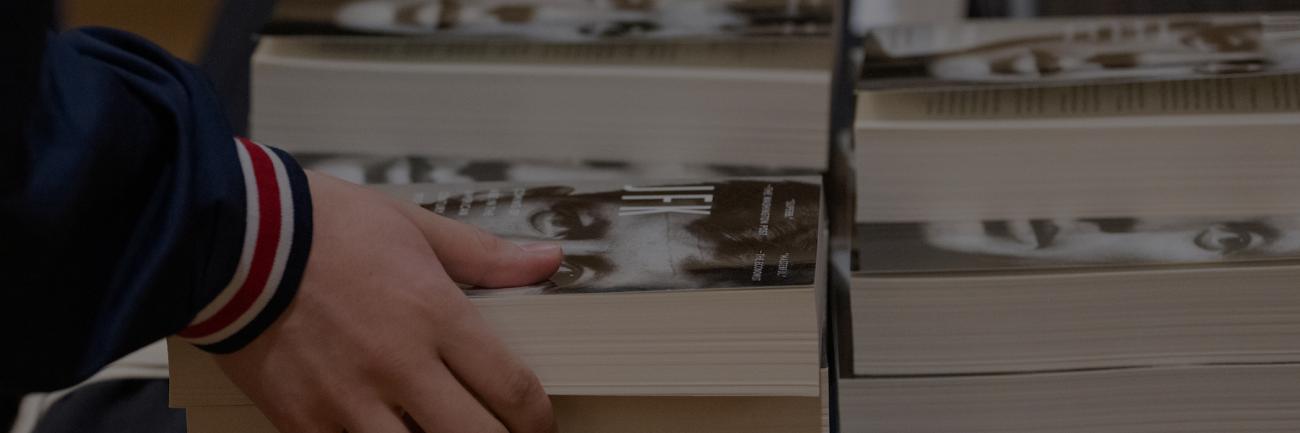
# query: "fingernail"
{"points": [[541, 248]]}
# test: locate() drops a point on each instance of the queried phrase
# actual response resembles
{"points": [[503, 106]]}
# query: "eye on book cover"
{"points": [[555, 20], [1080, 50], [734, 233], [1060, 243]]}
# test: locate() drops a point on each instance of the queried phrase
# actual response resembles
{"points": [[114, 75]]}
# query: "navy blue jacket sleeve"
{"points": [[129, 211]]}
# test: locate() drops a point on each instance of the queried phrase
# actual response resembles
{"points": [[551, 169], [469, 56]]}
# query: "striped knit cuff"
{"points": [[277, 240]]}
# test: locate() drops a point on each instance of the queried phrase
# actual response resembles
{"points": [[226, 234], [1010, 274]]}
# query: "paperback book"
{"points": [[1219, 148], [729, 82], [739, 233], [554, 20], [1063, 294], [667, 288], [416, 168], [1050, 244], [1061, 324], [1074, 50], [1179, 399]]}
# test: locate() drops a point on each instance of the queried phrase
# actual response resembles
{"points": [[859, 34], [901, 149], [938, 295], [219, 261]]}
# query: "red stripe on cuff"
{"points": [[268, 238]]}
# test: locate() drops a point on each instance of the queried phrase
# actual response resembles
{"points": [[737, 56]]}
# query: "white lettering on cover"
{"points": [[707, 198], [765, 212], [647, 210], [441, 205], [630, 188], [466, 203], [760, 260], [663, 194], [517, 203], [783, 265], [490, 206]]}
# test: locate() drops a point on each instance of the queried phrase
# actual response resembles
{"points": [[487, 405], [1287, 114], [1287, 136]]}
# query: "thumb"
{"points": [[473, 256]]}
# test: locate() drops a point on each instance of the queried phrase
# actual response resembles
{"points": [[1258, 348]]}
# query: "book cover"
{"points": [[777, 34], [1079, 50], [555, 20], [416, 168], [673, 235], [1067, 243]]}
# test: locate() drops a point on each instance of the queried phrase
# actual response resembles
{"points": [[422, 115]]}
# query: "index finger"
{"points": [[473, 256]]}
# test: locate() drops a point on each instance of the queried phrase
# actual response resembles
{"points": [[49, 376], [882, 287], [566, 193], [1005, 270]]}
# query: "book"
{"points": [[557, 20], [1022, 249], [734, 82], [1073, 225], [1035, 295], [669, 288], [585, 414], [1079, 50], [1219, 147], [1072, 324], [423, 168], [1225, 398]]}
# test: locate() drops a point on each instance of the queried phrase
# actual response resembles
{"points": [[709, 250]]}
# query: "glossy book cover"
{"points": [[555, 20], [1074, 243], [1067, 51], [642, 236]]}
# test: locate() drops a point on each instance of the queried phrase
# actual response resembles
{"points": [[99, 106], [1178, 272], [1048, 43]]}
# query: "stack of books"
{"points": [[1061, 225], [718, 81], [672, 147], [1049, 242], [680, 305]]}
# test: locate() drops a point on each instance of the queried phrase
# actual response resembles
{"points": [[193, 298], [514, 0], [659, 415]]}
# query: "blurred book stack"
{"points": [[1074, 225], [708, 81]]}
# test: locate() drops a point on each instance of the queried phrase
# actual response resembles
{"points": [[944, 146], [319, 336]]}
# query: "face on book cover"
{"points": [[608, 246], [1130, 50], [363, 169], [582, 19], [1107, 240], [547, 20]]}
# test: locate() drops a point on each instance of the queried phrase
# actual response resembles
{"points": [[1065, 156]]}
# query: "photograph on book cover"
{"points": [[1070, 51], [556, 20], [734, 233], [407, 169], [1033, 244]]}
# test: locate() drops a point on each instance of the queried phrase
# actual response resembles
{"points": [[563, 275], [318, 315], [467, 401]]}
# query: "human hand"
{"points": [[378, 329]]}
